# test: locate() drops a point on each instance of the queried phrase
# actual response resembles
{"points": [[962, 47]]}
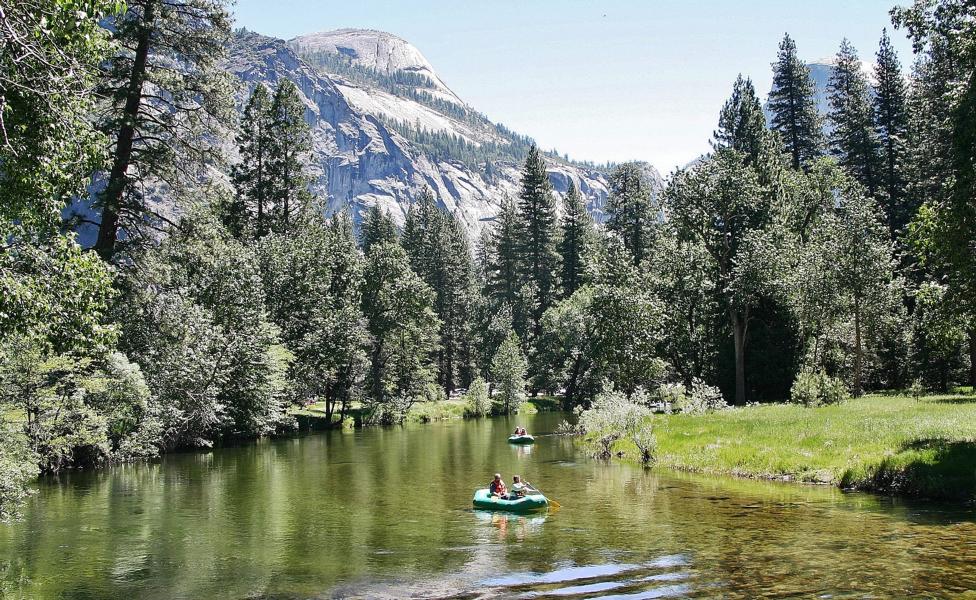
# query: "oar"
{"points": [[552, 502]]}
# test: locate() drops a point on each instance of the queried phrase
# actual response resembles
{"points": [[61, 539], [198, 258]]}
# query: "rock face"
{"points": [[362, 155]]}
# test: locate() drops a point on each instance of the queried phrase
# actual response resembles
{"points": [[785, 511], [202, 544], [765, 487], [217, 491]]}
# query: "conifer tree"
{"points": [[793, 106], [577, 233], [439, 252], [853, 140], [539, 261], [891, 125], [741, 124], [377, 228], [165, 95], [631, 211], [289, 145], [252, 176]]}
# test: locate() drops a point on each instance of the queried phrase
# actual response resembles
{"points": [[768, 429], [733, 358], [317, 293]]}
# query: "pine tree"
{"points": [[537, 236], [440, 254], [577, 234], [741, 124], [631, 211], [853, 140], [290, 144], [252, 176], [377, 228], [165, 94], [891, 125], [793, 106]]}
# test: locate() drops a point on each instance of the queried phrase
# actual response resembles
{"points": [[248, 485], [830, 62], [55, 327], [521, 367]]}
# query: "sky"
{"points": [[608, 80]]}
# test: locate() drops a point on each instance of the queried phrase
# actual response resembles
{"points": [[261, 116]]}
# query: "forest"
{"points": [[800, 260]]}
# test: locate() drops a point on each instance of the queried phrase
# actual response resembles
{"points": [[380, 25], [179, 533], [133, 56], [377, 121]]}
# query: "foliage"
{"points": [[631, 211], [440, 254], [403, 327], [853, 139], [165, 99], [575, 241], [614, 416], [508, 369], [48, 66], [312, 279], [193, 317], [18, 466], [53, 292], [793, 106], [477, 401], [816, 388], [699, 399]]}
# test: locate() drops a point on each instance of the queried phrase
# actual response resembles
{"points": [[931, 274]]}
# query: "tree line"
{"points": [[218, 294]]}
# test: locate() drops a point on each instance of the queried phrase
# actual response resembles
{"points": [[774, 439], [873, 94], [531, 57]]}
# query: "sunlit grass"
{"points": [[883, 443]]}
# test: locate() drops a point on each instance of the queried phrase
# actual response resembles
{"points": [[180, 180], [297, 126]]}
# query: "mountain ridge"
{"points": [[367, 153]]}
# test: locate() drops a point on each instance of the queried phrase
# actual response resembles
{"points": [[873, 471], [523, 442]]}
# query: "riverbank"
{"points": [[886, 444], [313, 415]]}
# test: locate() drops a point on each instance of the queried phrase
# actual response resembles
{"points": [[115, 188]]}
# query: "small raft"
{"points": [[521, 439], [528, 503]]}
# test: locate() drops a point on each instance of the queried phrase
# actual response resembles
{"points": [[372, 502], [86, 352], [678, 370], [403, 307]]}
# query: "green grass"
{"points": [[889, 444], [425, 412]]}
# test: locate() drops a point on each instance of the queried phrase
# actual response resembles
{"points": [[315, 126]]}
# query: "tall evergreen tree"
{"points": [[440, 254], [377, 228], [577, 234], [252, 176], [793, 106], [891, 125], [631, 210], [165, 95], [741, 123], [538, 234], [943, 130], [853, 140], [289, 145]]}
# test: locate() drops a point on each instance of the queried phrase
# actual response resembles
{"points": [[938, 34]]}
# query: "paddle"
{"points": [[552, 502]]}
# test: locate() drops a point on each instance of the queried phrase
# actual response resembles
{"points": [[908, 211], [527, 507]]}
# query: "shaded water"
{"points": [[386, 513]]}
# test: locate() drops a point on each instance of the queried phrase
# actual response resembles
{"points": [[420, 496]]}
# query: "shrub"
{"points": [[701, 399], [614, 416], [816, 388], [477, 401]]}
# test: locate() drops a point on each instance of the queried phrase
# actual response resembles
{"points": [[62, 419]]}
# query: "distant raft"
{"points": [[528, 503], [521, 439]]}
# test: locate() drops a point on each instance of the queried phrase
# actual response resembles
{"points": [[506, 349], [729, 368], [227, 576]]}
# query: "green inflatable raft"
{"points": [[528, 503], [521, 439]]}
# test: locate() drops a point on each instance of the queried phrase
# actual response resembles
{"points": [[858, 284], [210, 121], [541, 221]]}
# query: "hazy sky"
{"points": [[601, 80]]}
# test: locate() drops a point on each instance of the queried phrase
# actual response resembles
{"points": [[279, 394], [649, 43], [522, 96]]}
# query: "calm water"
{"points": [[386, 513]]}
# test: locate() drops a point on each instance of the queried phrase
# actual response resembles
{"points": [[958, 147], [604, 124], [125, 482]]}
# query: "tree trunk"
{"points": [[739, 335], [858, 352], [112, 196], [972, 357]]}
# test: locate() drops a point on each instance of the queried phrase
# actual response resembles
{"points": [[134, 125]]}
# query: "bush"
{"points": [[701, 399], [477, 401], [614, 416], [816, 388], [18, 466]]}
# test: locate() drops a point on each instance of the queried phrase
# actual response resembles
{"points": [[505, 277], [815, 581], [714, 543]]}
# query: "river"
{"points": [[386, 513]]}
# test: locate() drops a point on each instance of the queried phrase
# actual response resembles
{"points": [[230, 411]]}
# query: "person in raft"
{"points": [[497, 487], [520, 430], [518, 488]]}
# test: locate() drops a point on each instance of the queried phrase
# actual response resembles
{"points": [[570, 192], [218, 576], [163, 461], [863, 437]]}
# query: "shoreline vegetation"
{"points": [[893, 445], [187, 300]]}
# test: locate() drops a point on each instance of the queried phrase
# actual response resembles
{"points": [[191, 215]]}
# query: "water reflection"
{"points": [[387, 513]]}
